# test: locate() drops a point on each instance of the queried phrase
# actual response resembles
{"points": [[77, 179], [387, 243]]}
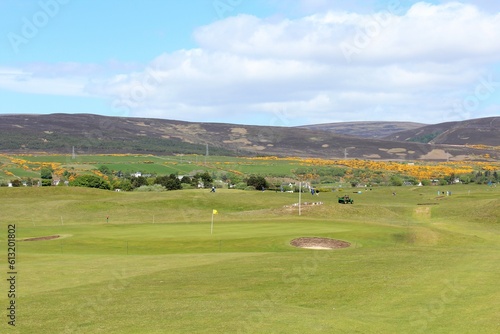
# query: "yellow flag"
{"points": [[214, 212]]}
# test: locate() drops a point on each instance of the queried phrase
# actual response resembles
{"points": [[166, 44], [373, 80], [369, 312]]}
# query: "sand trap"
{"points": [[316, 247], [48, 237], [319, 243]]}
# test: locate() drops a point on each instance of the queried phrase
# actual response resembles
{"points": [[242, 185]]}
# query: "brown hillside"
{"points": [[365, 129], [481, 131], [58, 133]]}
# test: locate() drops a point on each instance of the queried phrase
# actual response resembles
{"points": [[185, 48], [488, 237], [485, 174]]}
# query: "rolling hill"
{"points": [[90, 134], [481, 131], [365, 129]]}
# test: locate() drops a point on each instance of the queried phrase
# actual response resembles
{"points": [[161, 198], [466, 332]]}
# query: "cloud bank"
{"points": [[430, 63]]}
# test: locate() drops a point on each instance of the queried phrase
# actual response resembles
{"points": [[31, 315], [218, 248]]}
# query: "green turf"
{"points": [[418, 263]]}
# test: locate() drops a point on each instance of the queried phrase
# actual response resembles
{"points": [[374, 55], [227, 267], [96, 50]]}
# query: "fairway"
{"points": [[148, 263]]}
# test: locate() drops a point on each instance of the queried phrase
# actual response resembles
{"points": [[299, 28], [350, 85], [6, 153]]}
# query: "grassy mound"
{"points": [[154, 266]]}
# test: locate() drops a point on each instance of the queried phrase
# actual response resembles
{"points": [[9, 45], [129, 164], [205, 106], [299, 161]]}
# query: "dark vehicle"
{"points": [[346, 200]]}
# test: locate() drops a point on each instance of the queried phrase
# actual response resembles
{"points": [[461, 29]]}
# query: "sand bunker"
{"points": [[319, 243], [50, 237]]}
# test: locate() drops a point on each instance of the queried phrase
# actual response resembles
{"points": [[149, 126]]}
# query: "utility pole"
{"points": [[206, 154], [300, 196]]}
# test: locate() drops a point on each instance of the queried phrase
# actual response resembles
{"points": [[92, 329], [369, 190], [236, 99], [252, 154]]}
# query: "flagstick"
{"points": [[300, 195], [212, 224]]}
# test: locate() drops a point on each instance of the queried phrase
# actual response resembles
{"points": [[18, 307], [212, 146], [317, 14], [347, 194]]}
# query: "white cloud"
{"points": [[306, 7], [22, 81], [334, 66], [66, 79]]}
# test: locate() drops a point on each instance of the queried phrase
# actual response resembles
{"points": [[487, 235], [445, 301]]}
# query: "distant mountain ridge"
{"points": [[366, 129], [480, 131], [90, 134]]}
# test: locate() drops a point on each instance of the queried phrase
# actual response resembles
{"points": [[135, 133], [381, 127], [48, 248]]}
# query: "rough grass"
{"points": [[155, 267]]}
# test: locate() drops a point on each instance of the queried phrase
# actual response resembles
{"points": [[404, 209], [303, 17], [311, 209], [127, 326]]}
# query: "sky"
{"points": [[254, 62]]}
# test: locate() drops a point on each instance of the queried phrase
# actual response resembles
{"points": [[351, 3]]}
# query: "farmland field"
{"points": [[25, 168], [130, 262], [29, 166]]}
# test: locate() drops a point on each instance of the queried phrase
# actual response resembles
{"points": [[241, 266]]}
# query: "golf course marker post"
{"points": [[214, 212]]}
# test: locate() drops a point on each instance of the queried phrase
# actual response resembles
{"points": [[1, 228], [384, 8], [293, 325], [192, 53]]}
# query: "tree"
{"points": [[480, 178], [205, 177], [170, 182], [46, 183], [186, 179], [29, 182], [396, 181], [258, 182], [105, 170], [139, 181], [426, 182], [46, 173], [90, 181], [465, 179], [16, 183], [450, 178], [123, 184]]}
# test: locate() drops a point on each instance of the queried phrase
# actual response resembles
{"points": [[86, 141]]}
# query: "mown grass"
{"points": [[155, 267]]}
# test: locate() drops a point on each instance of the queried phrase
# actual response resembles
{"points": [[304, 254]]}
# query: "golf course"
{"points": [[195, 261], [250, 167]]}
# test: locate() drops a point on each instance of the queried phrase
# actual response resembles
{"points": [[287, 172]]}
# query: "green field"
{"points": [[155, 267], [325, 174], [147, 164]]}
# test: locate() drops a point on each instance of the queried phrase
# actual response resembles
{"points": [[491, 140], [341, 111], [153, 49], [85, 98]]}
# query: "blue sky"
{"points": [[266, 62]]}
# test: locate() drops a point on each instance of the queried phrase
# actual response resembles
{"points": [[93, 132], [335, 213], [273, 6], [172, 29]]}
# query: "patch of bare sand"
{"points": [[319, 243], [436, 154], [47, 237]]}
